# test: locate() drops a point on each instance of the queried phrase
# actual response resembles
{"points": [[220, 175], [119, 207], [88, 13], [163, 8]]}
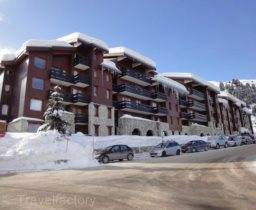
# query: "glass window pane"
{"points": [[5, 109], [36, 105], [39, 63], [38, 84]]}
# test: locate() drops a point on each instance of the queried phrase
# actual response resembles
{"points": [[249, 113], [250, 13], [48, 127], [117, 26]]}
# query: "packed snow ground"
{"points": [[50, 151]]}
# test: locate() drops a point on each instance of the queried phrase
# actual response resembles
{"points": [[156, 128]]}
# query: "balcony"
{"points": [[81, 81], [195, 105], [183, 103], [136, 77], [199, 118], [186, 116], [197, 95], [59, 77], [67, 98], [81, 63], [159, 97], [133, 91], [80, 99], [81, 119], [134, 107], [160, 111]]}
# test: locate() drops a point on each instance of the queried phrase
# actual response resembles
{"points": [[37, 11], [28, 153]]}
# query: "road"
{"points": [[218, 179]]}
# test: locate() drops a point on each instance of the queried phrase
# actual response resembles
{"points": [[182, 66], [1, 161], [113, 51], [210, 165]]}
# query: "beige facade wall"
{"points": [[127, 125], [103, 121]]}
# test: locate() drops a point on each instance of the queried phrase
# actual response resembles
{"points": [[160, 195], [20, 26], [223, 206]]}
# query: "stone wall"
{"points": [[103, 121], [126, 126], [69, 117], [196, 129], [24, 125]]}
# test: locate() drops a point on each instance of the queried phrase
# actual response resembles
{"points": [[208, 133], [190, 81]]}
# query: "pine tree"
{"points": [[54, 112]]}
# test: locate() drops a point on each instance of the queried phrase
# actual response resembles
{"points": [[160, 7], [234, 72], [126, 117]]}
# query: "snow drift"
{"points": [[45, 151]]}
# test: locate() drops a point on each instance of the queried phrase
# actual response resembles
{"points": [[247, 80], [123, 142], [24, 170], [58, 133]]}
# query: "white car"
{"points": [[218, 141], [166, 148], [234, 141]]}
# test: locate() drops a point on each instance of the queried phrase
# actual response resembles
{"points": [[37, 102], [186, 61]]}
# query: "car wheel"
{"points": [[178, 152], [120, 159], [105, 159], [163, 154], [217, 146], [226, 145], [130, 157]]}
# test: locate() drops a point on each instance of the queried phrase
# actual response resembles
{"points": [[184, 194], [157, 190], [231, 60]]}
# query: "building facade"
{"points": [[109, 91]]}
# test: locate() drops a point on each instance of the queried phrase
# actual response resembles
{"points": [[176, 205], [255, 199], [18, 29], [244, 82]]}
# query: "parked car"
{"points": [[218, 141], [166, 148], [115, 152], [247, 138], [195, 146], [234, 141]]}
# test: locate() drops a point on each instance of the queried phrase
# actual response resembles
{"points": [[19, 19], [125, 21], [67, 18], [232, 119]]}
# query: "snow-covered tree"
{"points": [[54, 112]]}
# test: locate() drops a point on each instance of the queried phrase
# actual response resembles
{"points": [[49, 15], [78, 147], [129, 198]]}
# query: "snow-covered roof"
{"points": [[132, 117], [247, 110], [171, 84], [133, 54], [35, 43], [27, 118], [228, 96], [111, 66], [178, 75], [223, 101], [76, 36]]}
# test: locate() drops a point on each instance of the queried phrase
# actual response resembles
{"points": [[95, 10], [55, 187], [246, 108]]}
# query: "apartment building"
{"points": [[200, 108], [110, 91], [145, 104], [103, 89], [235, 116]]}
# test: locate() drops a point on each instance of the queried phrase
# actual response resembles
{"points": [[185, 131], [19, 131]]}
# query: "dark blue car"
{"points": [[195, 146]]}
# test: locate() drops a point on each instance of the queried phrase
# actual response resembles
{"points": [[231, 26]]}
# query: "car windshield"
{"points": [[161, 145], [107, 148]]}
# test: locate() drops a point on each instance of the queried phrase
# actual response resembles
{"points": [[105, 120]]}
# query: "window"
{"points": [[36, 105], [95, 73], [96, 130], [107, 94], [37, 83], [109, 130], [107, 77], [95, 91], [5, 109], [39, 63], [7, 88], [171, 120], [96, 110], [109, 113]]}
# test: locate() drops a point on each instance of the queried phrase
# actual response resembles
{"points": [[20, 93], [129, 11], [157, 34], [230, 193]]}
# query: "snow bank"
{"points": [[171, 84], [132, 141], [45, 151], [196, 78], [133, 54]]}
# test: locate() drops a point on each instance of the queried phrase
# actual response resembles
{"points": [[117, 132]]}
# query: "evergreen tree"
{"points": [[54, 112]]}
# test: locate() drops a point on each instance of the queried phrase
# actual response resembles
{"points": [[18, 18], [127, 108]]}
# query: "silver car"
{"points": [[115, 152], [166, 148]]}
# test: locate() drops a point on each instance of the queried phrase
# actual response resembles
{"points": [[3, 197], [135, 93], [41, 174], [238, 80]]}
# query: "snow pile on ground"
{"points": [[44, 151], [132, 141]]}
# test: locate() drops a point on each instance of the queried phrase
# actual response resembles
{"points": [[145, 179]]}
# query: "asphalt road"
{"points": [[218, 179]]}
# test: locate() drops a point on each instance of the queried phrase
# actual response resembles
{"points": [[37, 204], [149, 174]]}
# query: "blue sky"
{"points": [[215, 39]]}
